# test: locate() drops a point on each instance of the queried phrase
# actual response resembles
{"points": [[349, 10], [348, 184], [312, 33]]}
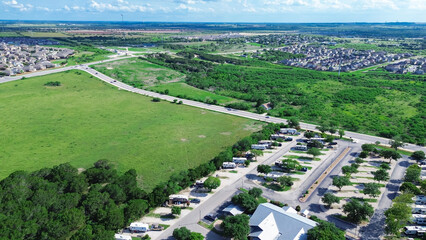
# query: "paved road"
{"points": [[220, 197], [362, 138]]}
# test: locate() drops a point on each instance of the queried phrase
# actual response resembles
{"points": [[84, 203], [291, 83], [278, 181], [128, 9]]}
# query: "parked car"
{"points": [[156, 227], [211, 217], [333, 143], [289, 139], [195, 200], [304, 169]]}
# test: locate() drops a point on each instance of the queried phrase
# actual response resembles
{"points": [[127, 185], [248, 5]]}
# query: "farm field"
{"points": [[85, 120]]}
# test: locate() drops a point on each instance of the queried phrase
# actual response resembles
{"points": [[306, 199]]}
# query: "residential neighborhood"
{"points": [[338, 59], [17, 59], [413, 66]]}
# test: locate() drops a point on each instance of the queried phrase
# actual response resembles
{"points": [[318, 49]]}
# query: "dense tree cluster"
{"points": [[294, 92], [61, 203]]}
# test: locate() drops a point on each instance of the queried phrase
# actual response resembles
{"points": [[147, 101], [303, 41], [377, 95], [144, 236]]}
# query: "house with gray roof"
{"points": [[270, 222]]}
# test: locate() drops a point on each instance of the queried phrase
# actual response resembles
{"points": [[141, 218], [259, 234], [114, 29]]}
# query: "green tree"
{"points": [[212, 183], [339, 182], [176, 210], [135, 209], [372, 189], [322, 128], [418, 156], [423, 186], [256, 153], [409, 187], [357, 211], [285, 181], [182, 233], [381, 175], [264, 169], [395, 144], [255, 192], [196, 236], [325, 231], [293, 123], [236, 227], [247, 201], [390, 154], [341, 133], [314, 152], [413, 173], [309, 134], [397, 217], [329, 199], [368, 147]]}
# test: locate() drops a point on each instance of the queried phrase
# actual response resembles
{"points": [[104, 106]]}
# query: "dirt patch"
{"points": [[184, 140], [80, 170], [226, 133], [202, 136], [203, 112], [253, 127]]}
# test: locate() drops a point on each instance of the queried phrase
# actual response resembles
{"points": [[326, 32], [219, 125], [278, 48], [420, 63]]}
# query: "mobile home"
{"points": [[301, 147], [278, 136], [291, 131], [239, 160], [419, 209], [178, 199], [138, 227], [419, 219], [420, 199], [415, 230], [258, 147], [229, 165], [122, 237]]}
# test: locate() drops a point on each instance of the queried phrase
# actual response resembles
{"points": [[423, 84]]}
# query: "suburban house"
{"points": [[178, 199], [138, 227], [232, 210], [122, 237], [270, 222]]}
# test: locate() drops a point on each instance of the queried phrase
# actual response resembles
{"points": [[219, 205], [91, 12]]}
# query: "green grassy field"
{"points": [[184, 90], [85, 120], [138, 72]]}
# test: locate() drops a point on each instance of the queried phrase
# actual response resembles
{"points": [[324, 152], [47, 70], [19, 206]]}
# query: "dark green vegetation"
{"points": [[61, 203], [248, 200], [383, 104], [236, 227], [85, 120], [184, 233], [325, 231]]}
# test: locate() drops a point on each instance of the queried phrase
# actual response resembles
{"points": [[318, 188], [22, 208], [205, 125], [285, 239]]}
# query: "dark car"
{"points": [[195, 200], [304, 169], [333, 143], [211, 217], [289, 139]]}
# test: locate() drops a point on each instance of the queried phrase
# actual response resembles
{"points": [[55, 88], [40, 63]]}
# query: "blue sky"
{"points": [[217, 10]]}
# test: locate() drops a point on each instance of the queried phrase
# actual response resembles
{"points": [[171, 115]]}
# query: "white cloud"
{"points": [[186, 7], [121, 5], [20, 6], [417, 4]]}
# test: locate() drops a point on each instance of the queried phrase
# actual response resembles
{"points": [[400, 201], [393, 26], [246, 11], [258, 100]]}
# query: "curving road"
{"points": [[362, 138]]}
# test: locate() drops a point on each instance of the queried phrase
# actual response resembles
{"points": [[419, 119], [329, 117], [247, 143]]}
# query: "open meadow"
{"points": [[85, 120]]}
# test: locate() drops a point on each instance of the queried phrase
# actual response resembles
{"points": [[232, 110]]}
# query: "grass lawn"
{"points": [[183, 90], [138, 73], [85, 120]]}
